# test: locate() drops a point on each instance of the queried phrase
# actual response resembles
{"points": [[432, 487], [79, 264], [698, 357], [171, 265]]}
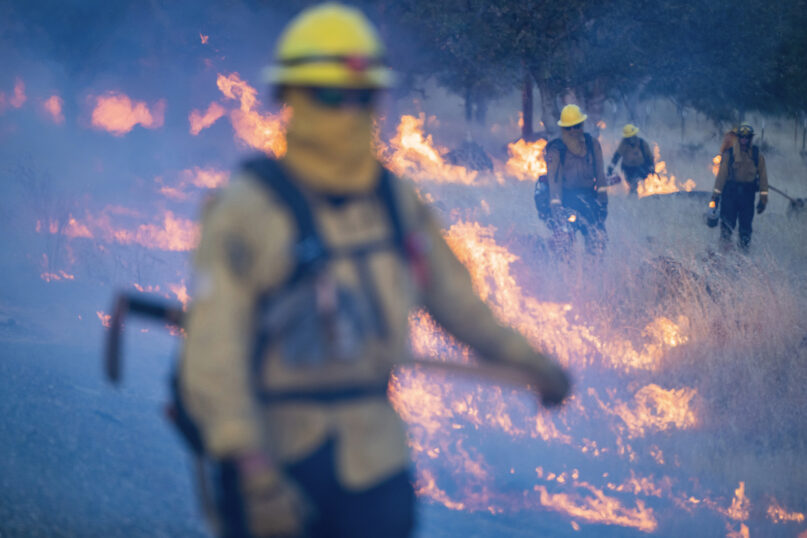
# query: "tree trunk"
{"points": [[549, 107], [595, 104], [526, 108], [632, 100], [481, 112]]}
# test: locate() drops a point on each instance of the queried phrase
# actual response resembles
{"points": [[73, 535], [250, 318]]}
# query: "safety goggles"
{"points": [[577, 127], [343, 97]]}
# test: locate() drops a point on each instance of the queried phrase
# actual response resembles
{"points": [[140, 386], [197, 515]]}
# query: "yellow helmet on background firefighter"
{"points": [[331, 45], [570, 116], [629, 130]]}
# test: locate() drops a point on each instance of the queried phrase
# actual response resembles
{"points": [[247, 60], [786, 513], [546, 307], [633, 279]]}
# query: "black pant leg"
{"points": [[745, 212], [229, 501], [728, 211], [384, 511]]}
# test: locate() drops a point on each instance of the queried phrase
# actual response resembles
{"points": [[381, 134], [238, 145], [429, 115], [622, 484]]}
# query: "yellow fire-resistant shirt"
{"points": [[244, 250]]}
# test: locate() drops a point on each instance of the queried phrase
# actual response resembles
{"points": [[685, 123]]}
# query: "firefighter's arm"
{"points": [[215, 374], [553, 176], [722, 176], [763, 185], [763, 176], [450, 299], [599, 167]]}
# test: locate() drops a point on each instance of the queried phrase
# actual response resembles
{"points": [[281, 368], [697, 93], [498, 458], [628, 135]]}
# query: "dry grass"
{"points": [[745, 317]]}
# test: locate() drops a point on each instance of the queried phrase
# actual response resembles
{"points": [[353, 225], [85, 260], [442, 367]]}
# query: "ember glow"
{"points": [[17, 97], [716, 164], [117, 113], [53, 107], [200, 121]]}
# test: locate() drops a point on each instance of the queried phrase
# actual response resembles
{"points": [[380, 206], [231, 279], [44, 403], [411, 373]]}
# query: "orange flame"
{"points": [[204, 38], [740, 505], [599, 508], [117, 113], [779, 514], [181, 293], [412, 154], [17, 98], [716, 164], [527, 161], [656, 409], [660, 182], [201, 178], [106, 319], [53, 107], [265, 132], [200, 121], [60, 275], [172, 234]]}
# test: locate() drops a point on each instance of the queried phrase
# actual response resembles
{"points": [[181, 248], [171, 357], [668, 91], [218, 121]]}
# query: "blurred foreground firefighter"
{"points": [[637, 157], [306, 272], [578, 198], [741, 175]]}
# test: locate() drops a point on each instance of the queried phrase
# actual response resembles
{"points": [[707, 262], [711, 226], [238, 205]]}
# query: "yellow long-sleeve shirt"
{"points": [[744, 169], [245, 249]]}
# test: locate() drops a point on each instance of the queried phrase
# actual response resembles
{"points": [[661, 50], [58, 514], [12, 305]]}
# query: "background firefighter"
{"points": [[577, 187], [637, 157], [742, 173], [307, 441]]}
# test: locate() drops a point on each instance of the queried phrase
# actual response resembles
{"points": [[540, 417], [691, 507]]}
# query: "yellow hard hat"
{"points": [[330, 45], [745, 129], [571, 116], [629, 130]]}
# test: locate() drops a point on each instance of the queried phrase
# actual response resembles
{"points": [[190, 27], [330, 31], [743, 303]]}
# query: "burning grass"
{"points": [[688, 363]]}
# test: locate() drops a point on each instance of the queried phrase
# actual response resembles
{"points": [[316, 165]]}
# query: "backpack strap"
{"points": [[309, 249], [386, 193], [590, 152], [558, 144], [755, 156]]}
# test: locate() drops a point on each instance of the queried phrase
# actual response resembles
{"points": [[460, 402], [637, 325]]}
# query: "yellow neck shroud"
{"points": [[330, 149]]}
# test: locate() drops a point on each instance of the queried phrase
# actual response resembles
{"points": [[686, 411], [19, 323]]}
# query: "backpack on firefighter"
{"points": [[541, 195], [286, 312], [754, 156]]}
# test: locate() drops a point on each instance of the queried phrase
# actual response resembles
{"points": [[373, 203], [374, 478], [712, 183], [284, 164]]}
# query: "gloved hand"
{"points": [[762, 204], [273, 505], [551, 380], [715, 198], [610, 170]]}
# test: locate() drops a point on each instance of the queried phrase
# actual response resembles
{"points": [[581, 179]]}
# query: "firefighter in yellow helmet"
{"points": [[637, 157], [577, 187], [306, 273], [742, 174]]}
